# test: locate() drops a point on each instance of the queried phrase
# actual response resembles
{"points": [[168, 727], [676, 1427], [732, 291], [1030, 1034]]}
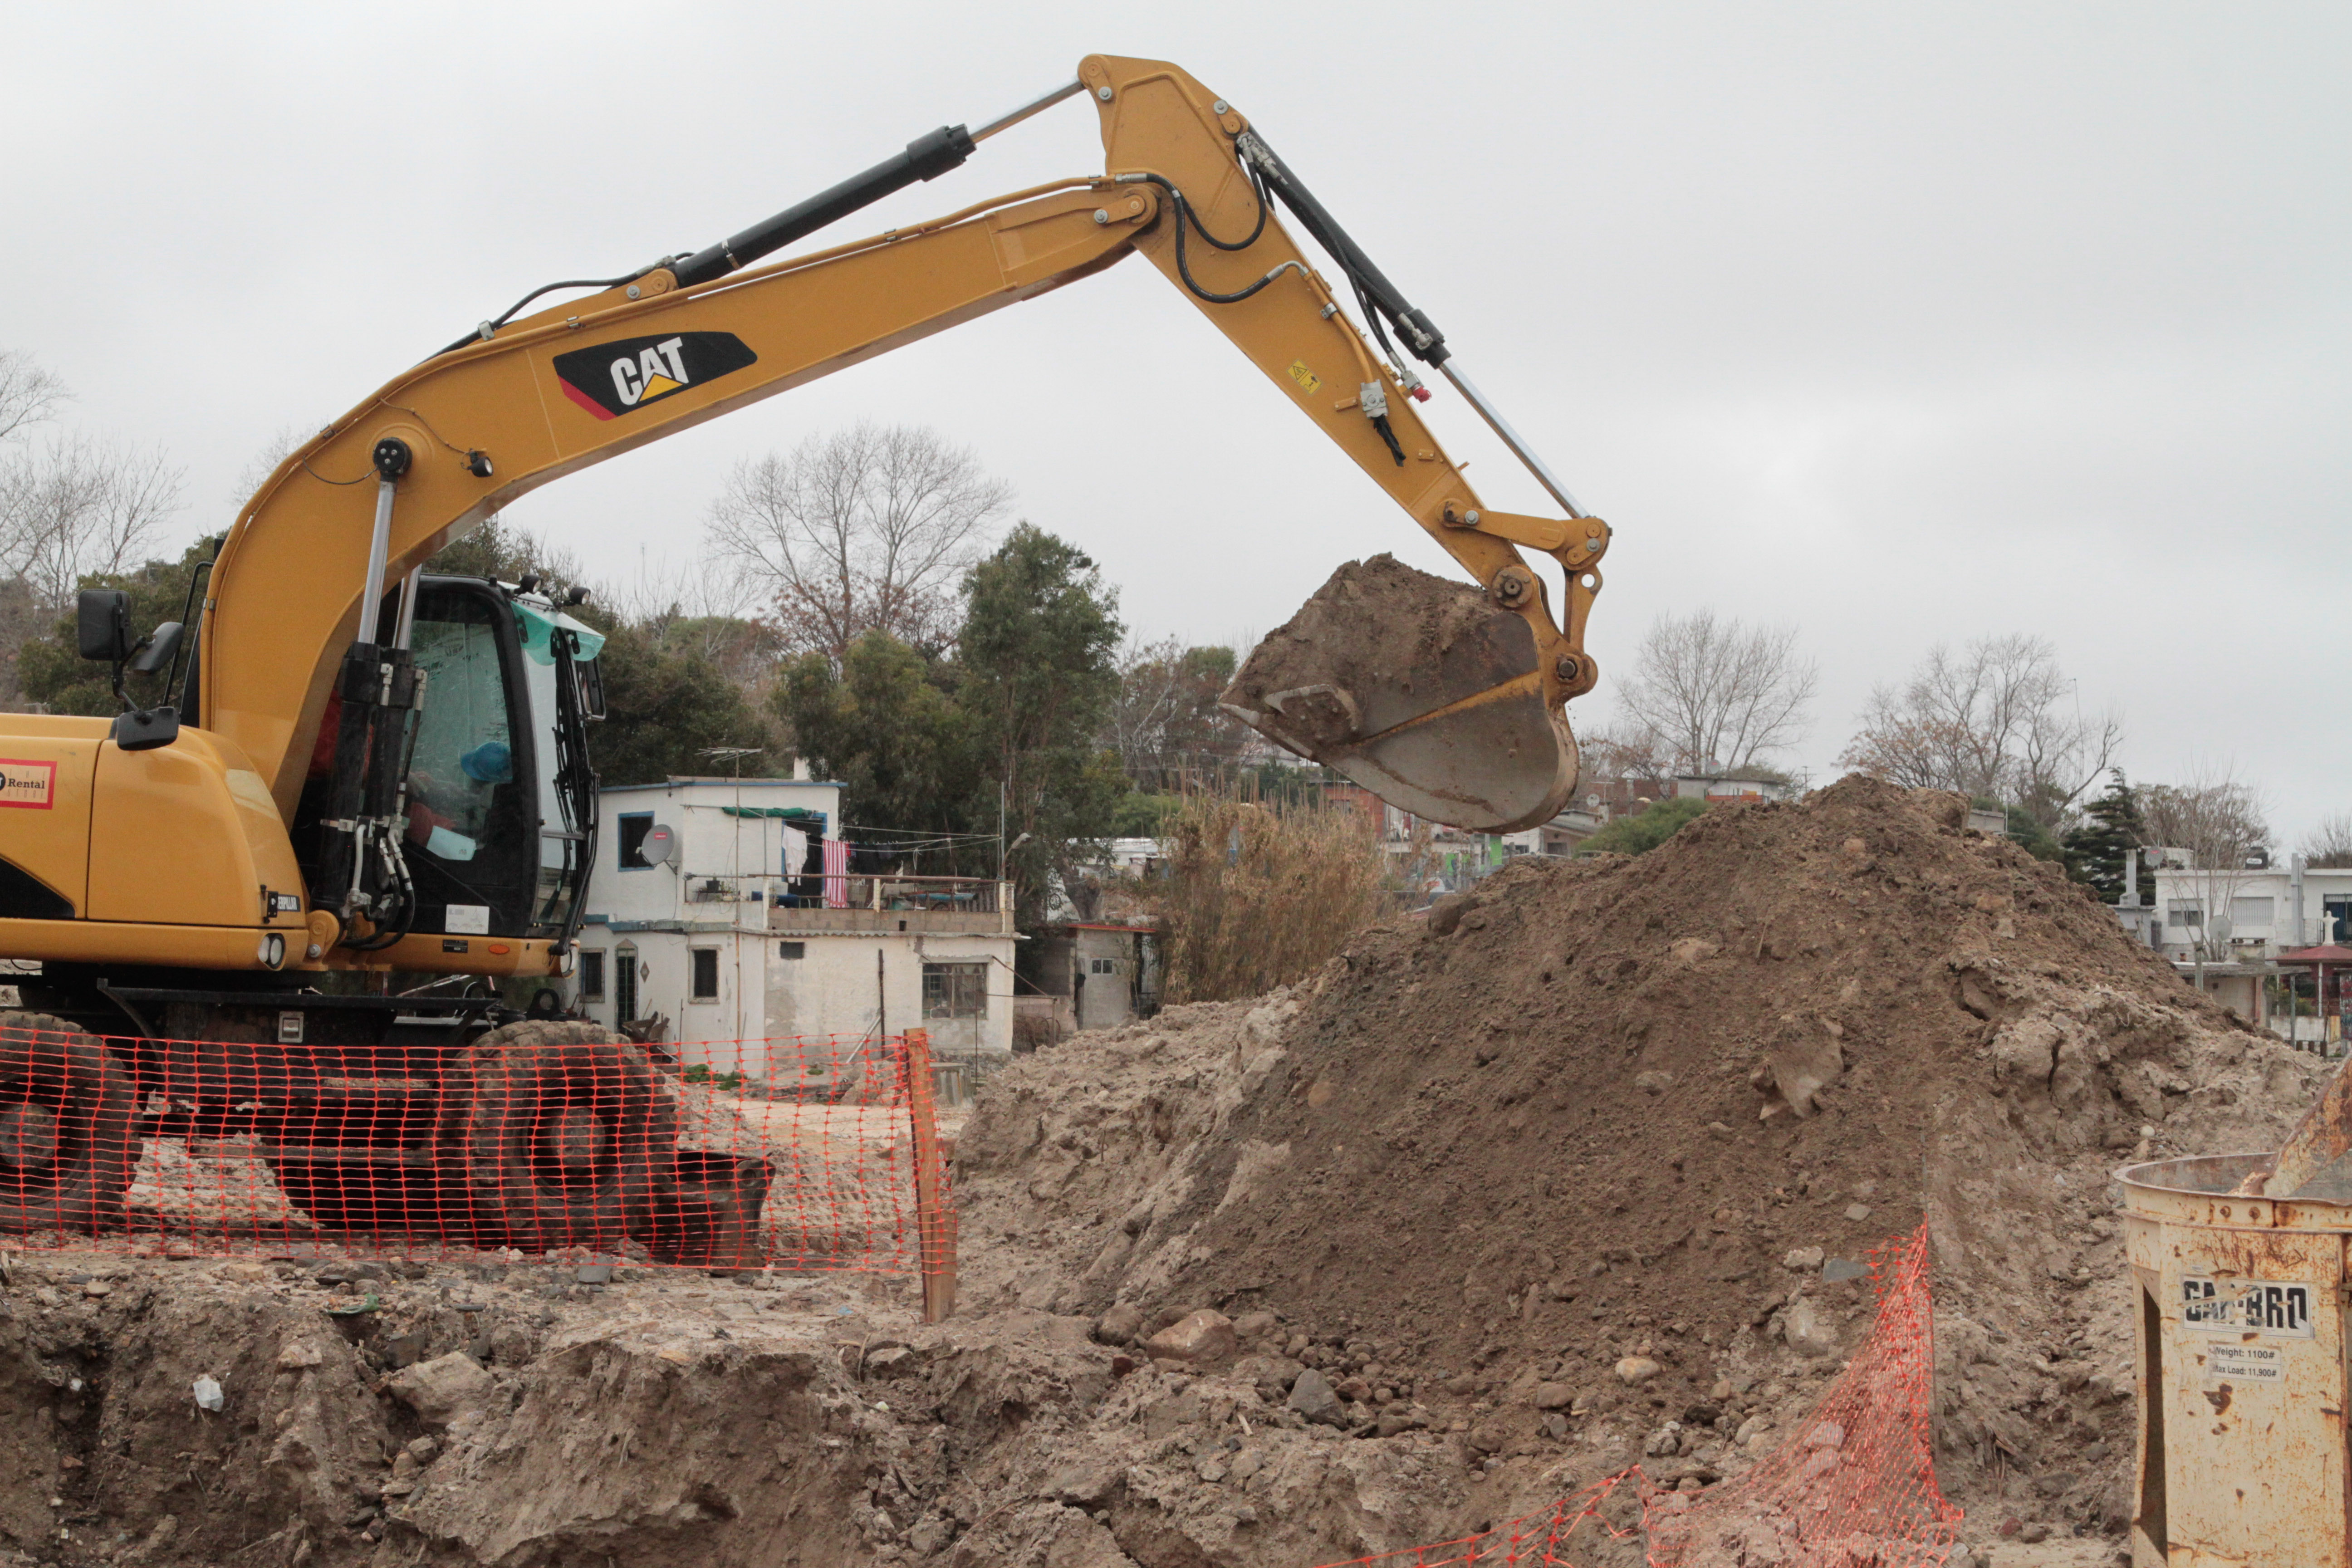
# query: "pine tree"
{"points": [[2096, 851]]}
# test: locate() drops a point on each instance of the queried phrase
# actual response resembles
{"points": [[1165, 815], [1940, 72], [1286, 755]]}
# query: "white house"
{"points": [[2247, 913], [2227, 928], [728, 910]]}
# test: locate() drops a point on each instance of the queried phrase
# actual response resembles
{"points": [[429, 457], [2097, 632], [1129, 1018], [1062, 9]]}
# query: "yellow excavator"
{"points": [[359, 767]]}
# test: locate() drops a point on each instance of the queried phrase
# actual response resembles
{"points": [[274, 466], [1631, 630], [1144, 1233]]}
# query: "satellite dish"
{"points": [[660, 845], [1592, 802]]}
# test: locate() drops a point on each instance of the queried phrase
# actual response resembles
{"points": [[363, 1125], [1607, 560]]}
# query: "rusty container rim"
{"points": [[2196, 1190]]}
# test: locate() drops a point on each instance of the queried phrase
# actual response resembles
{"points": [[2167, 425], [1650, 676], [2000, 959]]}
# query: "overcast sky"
{"points": [[1897, 322]]}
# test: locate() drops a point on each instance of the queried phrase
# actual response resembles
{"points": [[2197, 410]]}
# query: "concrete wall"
{"points": [[747, 857], [832, 988]]}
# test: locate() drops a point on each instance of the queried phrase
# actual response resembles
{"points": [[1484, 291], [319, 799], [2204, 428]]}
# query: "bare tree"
{"points": [[2217, 822], [282, 443], [869, 529], [29, 395], [1712, 695], [81, 505], [1165, 724], [2328, 846], [1996, 719]]}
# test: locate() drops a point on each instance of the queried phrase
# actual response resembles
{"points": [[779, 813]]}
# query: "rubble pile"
{"points": [[1582, 1168]]}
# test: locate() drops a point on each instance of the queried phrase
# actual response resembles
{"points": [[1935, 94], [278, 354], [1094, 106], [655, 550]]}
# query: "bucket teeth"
{"points": [[1419, 690]]}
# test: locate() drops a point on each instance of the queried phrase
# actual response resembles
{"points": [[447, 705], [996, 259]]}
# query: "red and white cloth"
{"points": [[836, 874]]}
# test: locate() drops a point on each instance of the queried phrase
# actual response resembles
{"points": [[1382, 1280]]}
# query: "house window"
{"points": [[2185, 914], [2252, 912], [625, 984], [955, 989], [706, 975], [635, 825], [1102, 966], [591, 974], [792, 950]]}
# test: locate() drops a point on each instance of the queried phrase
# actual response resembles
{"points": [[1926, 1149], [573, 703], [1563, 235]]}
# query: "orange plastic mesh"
{"points": [[1537, 1540], [1852, 1485], [556, 1142]]}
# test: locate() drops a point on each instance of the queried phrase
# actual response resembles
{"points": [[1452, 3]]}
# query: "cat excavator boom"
{"points": [[367, 768]]}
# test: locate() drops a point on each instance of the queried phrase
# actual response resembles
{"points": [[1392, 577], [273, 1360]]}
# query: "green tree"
{"points": [[887, 727], [1165, 722], [665, 707], [50, 669], [1645, 831], [1038, 678], [2097, 851]]}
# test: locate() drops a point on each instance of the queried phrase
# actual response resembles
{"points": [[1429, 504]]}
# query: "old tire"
{"points": [[66, 1138], [554, 1133]]}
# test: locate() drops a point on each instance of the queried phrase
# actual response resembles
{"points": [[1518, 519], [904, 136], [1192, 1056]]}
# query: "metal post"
{"points": [[1034, 106], [406, 628], [1502, 427], [379, 544], [935, 1220]]}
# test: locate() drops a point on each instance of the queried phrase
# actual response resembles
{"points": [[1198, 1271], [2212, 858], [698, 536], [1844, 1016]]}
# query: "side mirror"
{"points": [[146, 729], [160, 650], [105, 625], [592, 688]]}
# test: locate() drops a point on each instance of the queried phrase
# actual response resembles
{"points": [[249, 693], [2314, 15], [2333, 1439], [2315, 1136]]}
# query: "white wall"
{"points": [[831, 989], [745, 853], [2225, 889]]}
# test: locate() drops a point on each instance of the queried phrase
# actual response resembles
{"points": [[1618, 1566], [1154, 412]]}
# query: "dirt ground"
{"points": [[1397, 1232]]}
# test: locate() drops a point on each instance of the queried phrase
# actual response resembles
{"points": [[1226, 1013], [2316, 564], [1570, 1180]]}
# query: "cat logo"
{"points": [[611, 379]]}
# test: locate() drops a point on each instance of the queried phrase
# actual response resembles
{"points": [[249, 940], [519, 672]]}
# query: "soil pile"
{"points": [[1578, 1169]]}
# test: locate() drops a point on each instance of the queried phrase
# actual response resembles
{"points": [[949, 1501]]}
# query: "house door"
{"points": [[625, 985], [955, 1005]]}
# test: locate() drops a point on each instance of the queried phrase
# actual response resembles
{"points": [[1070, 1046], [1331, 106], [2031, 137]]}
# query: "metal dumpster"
{"points": [[2242, 1455]]}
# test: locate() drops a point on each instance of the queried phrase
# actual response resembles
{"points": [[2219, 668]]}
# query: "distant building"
{"points": [[2234, 926], [727, 911], [1727, 788]]}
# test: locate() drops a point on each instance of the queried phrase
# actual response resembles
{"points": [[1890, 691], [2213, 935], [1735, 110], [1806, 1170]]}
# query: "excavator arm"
{"points": [[1454, 711]]}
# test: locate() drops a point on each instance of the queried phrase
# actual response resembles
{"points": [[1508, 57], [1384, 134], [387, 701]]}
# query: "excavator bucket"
{"points": [[1419, 690]]}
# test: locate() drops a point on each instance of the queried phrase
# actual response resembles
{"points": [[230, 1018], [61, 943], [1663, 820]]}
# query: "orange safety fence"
{"points": [[1535, 1540], [551, 1138], [1852, 1485], [1855, 1482]]}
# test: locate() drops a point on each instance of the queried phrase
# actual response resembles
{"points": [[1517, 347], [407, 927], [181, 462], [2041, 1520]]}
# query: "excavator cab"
{"points": [[500, 804]]}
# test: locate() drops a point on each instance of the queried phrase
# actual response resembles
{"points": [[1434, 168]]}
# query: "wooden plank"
{"points": [[935, 1220]]}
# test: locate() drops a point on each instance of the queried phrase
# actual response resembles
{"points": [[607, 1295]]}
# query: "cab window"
{"points": [[463, 767]]}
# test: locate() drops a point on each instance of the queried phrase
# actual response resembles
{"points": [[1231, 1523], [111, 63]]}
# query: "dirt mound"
{"points": [[1651, 1112]]}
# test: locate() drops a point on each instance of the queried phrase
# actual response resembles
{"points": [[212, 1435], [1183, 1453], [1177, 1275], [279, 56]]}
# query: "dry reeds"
{"points": [[1260, 894]]}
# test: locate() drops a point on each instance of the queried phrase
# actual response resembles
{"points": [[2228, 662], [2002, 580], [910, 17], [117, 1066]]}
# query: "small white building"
{"points": [[2247, 913], [1723, 789], [2225, 929], [727, 911]]}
